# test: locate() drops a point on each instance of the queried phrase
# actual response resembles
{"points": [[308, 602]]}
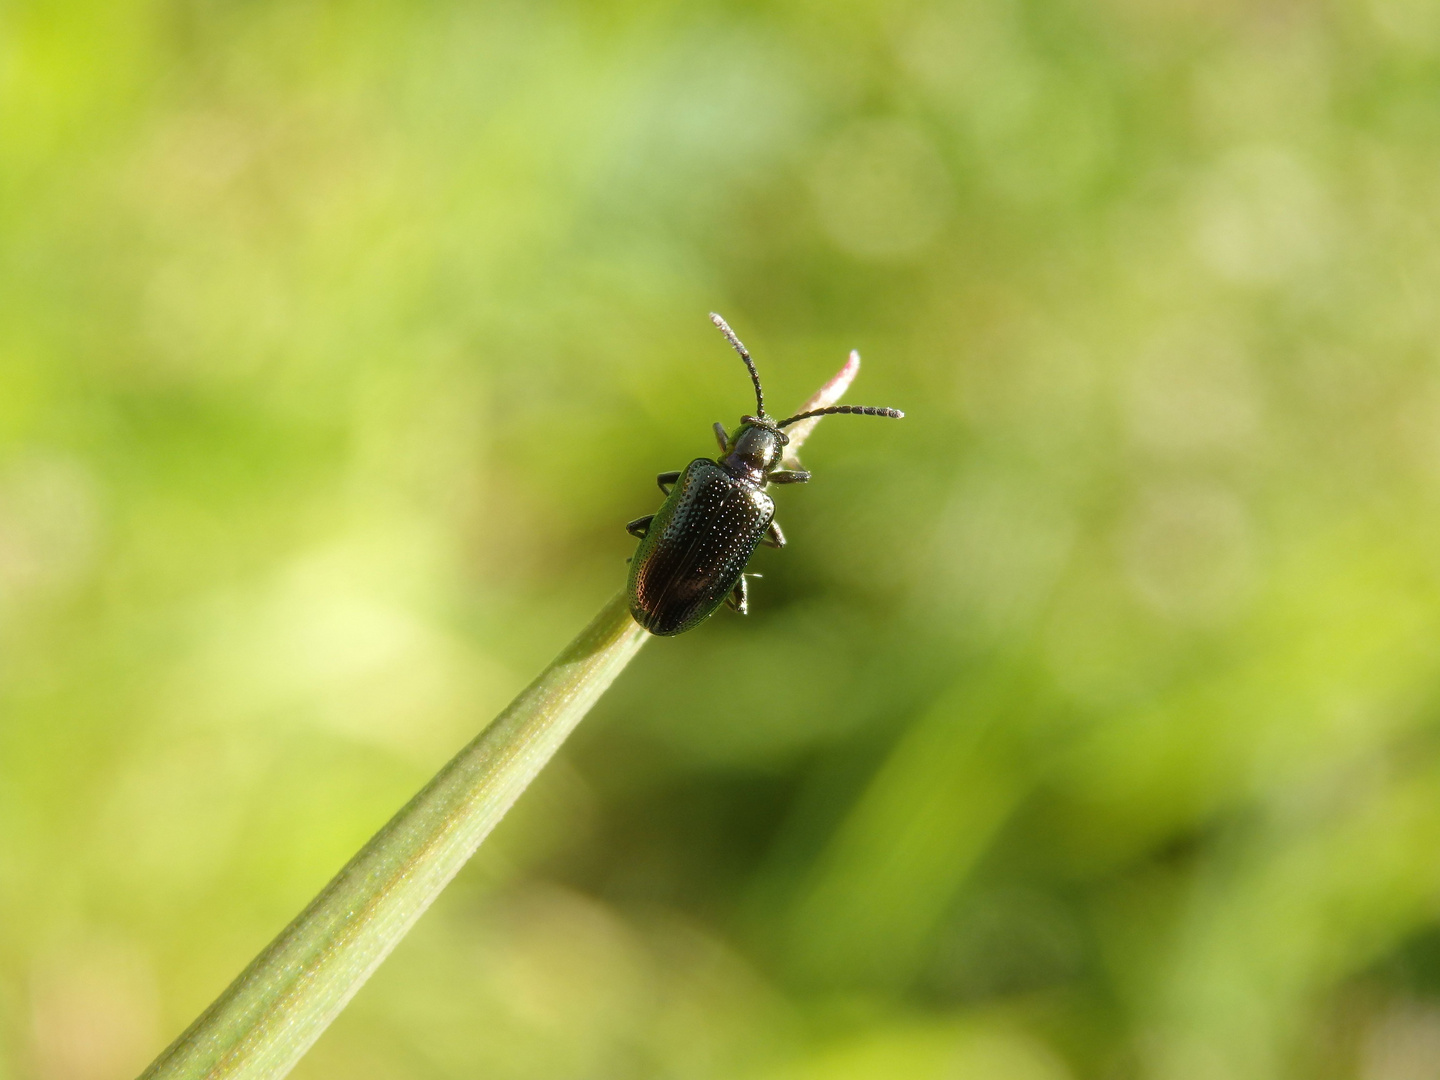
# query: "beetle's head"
{"points": [[755, 448]]}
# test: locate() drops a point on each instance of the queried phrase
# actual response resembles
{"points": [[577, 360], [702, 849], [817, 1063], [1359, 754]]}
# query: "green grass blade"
{"points": [[268, 1017]]}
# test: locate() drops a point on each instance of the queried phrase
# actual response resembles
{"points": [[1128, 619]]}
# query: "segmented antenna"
{"points": [[859, 410], [739, 348]]}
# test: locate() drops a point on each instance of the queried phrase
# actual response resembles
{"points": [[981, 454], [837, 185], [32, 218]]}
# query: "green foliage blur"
{"points": [[1088, 727]]}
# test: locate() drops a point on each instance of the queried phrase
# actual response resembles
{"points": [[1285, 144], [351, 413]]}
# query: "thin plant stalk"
{"points": [[267, 1019], [269, 1016]]}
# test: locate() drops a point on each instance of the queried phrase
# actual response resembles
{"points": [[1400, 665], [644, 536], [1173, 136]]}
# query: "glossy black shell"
{"points": [[697, 548]]}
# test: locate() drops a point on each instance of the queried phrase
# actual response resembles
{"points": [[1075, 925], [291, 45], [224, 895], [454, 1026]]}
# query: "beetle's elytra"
{"points": [[694, 549]]}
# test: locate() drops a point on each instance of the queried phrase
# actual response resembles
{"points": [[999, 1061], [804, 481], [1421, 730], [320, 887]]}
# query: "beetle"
{"points": [[694, 549]]}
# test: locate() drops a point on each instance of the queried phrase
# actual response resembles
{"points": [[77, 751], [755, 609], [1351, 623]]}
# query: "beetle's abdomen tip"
{"points": [[653, 623]]}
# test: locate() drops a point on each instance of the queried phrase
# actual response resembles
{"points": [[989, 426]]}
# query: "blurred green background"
{"points": [[1088, 728]]}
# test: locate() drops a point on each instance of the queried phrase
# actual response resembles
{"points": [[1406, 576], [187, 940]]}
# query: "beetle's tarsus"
{"points": [[640, 526], [667, 478], [773, 536]]}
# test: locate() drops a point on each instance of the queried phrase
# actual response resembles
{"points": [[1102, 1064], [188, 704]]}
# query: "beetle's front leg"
{"points": [[773, 536], [722, 437], [739, 598], [788, 476], [640, 526], [667, 478]]}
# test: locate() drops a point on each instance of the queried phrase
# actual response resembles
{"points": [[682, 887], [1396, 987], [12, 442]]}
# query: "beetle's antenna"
{"points": [[859, 410], [739, 348]]}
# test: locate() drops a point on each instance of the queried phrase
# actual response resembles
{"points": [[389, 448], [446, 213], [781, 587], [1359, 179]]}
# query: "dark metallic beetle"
{"points": [[693, 551]]}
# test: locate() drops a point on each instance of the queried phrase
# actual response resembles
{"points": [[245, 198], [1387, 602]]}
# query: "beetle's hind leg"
{"points": [[640, 526], [667, 480], [773, 536], [739, 598]]}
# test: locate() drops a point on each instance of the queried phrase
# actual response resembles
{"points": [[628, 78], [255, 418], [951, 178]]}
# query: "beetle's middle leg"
{"points": [[788, 476], [667, 480], [773, 536], [640, 526]]}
